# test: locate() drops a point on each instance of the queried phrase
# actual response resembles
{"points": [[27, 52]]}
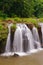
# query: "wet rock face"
{"points": [[15, 55], [12, 38], [30, 25], [40, 34], [9, 21]]}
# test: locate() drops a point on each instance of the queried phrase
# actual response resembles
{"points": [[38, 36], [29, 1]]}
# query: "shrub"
{"points": [[13, 27], [3, 37]]}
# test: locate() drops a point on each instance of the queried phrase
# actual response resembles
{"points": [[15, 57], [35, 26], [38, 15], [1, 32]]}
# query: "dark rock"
{"points": [[29, 25], [15, 55], [40, 34]]}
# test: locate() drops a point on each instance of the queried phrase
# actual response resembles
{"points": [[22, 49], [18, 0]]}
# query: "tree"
{"points": [[38, 9], [22, 8]]}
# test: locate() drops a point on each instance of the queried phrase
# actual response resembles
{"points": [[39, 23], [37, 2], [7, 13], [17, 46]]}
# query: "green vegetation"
{"points": [[26, 20], [15, 20], [4, 34], [21, 8], [3, 37], [13, 27]]}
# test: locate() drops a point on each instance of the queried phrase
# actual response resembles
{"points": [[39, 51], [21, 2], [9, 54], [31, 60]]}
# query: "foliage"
{"points": [[13, 27], [3, 37], [38, 9], [21, 8], [4, 34], [3, 15]]}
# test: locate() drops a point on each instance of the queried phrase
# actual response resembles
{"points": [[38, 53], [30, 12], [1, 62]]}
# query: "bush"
{"points": [[3, 37], [41, 19], [3, 15], [13, 27], [1, 27]]}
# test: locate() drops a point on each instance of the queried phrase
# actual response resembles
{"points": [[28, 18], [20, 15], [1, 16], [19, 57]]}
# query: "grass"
{"points": [[34, 21], [18, 20], [15, 20], [28, 20]]}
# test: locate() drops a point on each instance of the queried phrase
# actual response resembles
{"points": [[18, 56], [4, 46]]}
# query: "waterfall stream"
{"points": [[7, 48], [36, 37], [24, 41]]}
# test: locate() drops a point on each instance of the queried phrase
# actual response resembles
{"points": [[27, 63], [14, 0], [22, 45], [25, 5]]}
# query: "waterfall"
{"points": [[29, 36], [24, 42], [36, 37], [23, 39], [17, 43], [8, 48], [8, 44]]}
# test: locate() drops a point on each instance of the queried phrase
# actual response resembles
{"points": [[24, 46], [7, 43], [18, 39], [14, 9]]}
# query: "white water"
{"points": [[36, 37], [24, 41], [23, 30], [7, 48], [17, 43], [29, 36]]}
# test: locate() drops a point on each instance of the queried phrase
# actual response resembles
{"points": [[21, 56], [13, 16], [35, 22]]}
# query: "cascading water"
{"points": [[24, 42], [30, 40], [8, 49], [17, 43], [36, 37], [8, 43], [23, 39], [29, 36]]}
